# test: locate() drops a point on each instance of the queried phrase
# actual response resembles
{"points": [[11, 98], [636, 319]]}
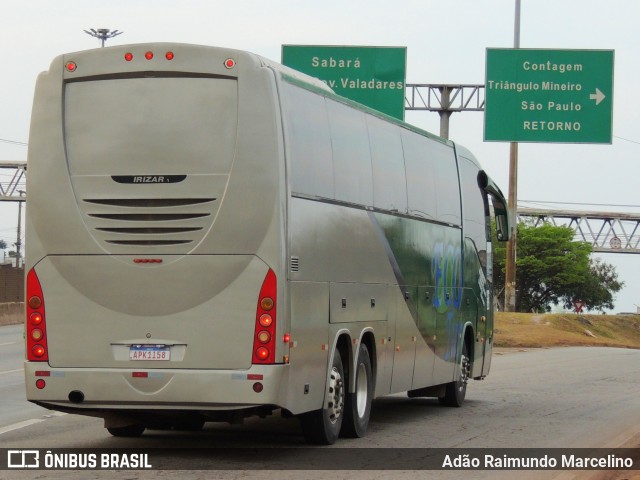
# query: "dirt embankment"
{"points": [[550, 330]]}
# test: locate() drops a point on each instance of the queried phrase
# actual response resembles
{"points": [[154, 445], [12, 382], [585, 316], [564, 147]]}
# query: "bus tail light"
{"points": [[264, 339], [36, 330]]}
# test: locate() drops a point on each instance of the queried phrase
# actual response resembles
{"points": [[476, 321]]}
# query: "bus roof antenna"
{"points": [[103, 34]]}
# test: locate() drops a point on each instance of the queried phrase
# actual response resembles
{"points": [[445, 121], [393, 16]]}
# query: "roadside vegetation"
{"points": [[532, 330], [554, 269]]}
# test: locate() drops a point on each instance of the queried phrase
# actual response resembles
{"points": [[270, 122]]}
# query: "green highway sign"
{"points": [[563, 96], [373, 76]]}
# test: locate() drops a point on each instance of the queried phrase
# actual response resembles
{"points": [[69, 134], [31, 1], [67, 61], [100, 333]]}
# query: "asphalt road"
{"points": [[545, 398]]}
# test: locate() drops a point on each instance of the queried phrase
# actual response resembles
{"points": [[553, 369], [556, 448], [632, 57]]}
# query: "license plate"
{"points": [[153, 353]]}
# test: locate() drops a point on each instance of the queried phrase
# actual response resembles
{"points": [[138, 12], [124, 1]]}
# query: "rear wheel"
{"points": [[456, 391], [322, 427], [358, 407], [128, 431]]}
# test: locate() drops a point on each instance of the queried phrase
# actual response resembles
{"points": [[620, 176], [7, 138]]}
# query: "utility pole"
{"points": [[19, 236], [102, 34], [510, 267]]}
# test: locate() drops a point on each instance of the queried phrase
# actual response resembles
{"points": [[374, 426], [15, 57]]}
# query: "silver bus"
{"points": [[211, 235]]}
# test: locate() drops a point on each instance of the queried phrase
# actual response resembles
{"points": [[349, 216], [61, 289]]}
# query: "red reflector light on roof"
{"points": [[148, 55], [169, 56], [229, 63], [71, 66], [128, 56]]}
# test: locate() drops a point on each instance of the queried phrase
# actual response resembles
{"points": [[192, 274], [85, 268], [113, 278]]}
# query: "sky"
{"points": [[446, 43]]}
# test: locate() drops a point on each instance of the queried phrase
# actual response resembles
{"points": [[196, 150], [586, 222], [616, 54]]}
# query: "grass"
{"points": [[549, 330]]}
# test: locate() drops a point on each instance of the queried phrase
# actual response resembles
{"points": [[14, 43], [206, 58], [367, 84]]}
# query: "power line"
{"points": [[13, 142], [626, 139]]}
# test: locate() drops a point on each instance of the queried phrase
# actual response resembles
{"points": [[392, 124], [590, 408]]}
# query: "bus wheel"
{"points": [[456, 391], [358, 408], [128, 431], [322, 427]]}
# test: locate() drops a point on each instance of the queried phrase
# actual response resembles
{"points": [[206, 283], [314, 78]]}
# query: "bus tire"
{"points": [[128, 431], [322, 427], [456, 391], [358, 405]]}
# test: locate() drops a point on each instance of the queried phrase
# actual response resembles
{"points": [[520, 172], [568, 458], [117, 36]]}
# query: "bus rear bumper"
{"points": [[88, 390]]}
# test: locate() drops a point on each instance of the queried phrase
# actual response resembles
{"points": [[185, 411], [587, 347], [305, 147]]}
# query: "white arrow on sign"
{"points": [[598, 96]]}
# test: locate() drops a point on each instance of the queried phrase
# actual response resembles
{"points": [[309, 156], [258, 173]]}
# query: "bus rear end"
{"points": [[154, 213]]}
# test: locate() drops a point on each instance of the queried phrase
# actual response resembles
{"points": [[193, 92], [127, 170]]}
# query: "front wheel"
{"points": [[322, 427], [358, 408], [455, 392]]}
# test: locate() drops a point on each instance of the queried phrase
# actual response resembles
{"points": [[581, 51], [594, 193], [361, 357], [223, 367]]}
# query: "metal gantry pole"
{"points": [[510, 267], [445, 113], [19, 235]]}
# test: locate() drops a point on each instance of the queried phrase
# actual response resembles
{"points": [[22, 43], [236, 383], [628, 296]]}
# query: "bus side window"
{"points": [[352, 172], [309, 142], [476, 208], [421, 180], [389, 179]]}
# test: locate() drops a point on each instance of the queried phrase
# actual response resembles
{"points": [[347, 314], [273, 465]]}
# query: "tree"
{"points": [[598, 287], [552, 269]]}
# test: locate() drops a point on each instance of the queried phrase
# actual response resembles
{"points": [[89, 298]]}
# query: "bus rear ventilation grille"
{"points": [[148, 243], [295, 264], [148, 217], [149, 230], [148, 202]]}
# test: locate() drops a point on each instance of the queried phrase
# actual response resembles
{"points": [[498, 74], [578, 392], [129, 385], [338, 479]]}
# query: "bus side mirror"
{"points": [[503, 228]]}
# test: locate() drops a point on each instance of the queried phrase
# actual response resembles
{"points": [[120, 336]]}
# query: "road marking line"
{"points": [[19, 425], [12, 371], [28, 423], [9, 343]]}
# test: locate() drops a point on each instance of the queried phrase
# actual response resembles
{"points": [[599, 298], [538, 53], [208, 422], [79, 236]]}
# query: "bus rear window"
{"points": [[150, 125]]}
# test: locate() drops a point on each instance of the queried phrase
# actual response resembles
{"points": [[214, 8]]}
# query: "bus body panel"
{"points": [[160, 389], [157, 210], [111, 223], [202, 307]]}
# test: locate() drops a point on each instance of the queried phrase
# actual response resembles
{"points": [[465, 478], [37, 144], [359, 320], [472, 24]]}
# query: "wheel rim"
{"points": [[362, 390], [465, 372], [335, 404]]}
